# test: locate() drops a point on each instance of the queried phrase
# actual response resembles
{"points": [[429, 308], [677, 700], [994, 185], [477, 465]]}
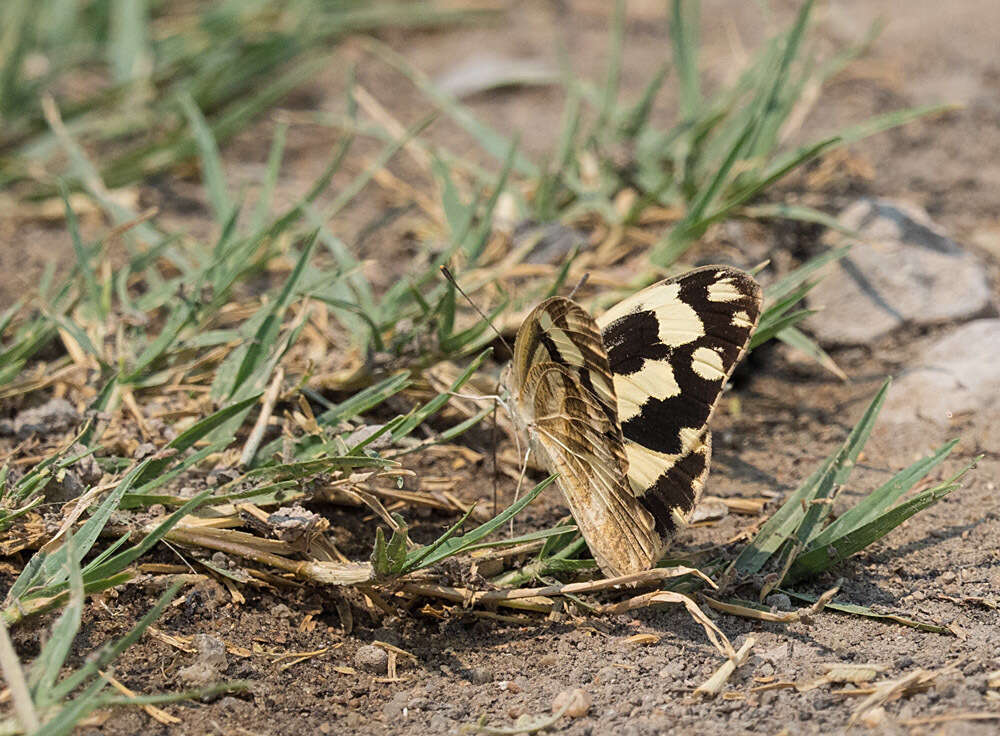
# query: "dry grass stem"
{"points": [[157, 714], [714, 684]]}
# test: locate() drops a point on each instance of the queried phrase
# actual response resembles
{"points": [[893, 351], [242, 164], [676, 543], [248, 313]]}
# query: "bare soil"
{"points": [[789, 418]]}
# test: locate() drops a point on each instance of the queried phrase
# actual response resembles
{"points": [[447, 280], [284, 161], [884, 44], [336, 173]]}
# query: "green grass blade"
{"points": [[120, 561], [876, 502], [421, 558], [769, 331], [201, 429], [15, 36], [789, 521], [109, 652], [795, 338], [128, 42], [84, 265], [776, 530], [773, 113], [836, 550], [419, 416], [65, 720], [857, 610], [840, 470], [211, 161], [478, 238], [546, 534], [267, 334], [684, 21], [45, 669], [54, 569], [798, 213], [793, 279], [633, 121], [271, 179], [890, 120], [612, 75]]}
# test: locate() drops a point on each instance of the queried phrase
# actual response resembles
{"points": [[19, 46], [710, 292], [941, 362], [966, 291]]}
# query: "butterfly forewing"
{"points": [[671, 348]]}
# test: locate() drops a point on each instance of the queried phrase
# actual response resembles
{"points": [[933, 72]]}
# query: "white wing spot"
{"points": [[741, 319], [724, 290], [655, 380], [707, 363]]}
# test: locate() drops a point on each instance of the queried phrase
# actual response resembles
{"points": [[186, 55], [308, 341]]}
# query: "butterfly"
{"points": [[619, 406]]}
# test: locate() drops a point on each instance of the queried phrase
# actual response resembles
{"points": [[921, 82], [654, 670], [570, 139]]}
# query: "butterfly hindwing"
{"points": [[671, 348], [564, 393]]}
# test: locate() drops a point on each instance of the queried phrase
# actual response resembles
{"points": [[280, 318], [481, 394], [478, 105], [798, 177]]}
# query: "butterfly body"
{"points": [[619, 406]]}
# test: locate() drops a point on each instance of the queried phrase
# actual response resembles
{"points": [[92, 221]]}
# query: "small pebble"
{"points": [[371, 659], [144, 450], [779, 601], [577, 702], [55, 416], [281, 611]]}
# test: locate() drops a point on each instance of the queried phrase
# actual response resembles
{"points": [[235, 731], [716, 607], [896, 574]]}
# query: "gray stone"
{"points": [[905, 272], [393, 708], [65, 486], [958, 375], [779, 601], [54, 416], [709, 510]]}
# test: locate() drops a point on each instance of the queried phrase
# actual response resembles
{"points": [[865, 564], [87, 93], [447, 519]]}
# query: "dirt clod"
{"points": [[371, 659]]}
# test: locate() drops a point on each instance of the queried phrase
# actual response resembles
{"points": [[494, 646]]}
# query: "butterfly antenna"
{"points": [[579, 284], [451, 279]]}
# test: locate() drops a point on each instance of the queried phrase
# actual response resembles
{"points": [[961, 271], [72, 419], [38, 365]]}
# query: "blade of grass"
{"points": [[857, 610], [869, 508], [838, 549], [211, 161], [488, 139], [684, 20], [843, 464], [128, 51], [795, 338], [448, 546]]}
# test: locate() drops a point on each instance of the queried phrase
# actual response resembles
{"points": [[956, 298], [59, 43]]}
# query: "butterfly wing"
{"points": [[671, 347], [564, 393]]}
